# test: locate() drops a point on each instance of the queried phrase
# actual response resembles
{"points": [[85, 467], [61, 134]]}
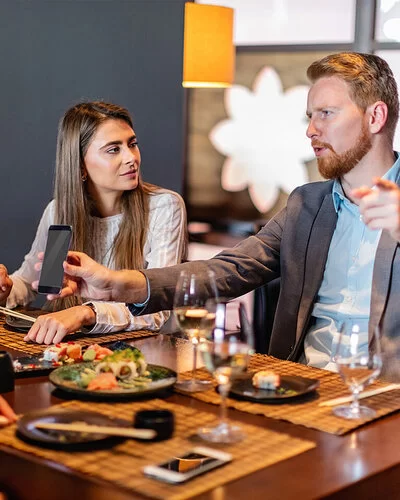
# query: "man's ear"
{"points": [[377, 116]]}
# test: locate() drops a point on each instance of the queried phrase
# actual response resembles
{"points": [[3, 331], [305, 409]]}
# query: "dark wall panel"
{"points": [[54, 53]]}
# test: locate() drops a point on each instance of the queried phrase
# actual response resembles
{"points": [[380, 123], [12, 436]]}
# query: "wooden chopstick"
{"points": [[362, 395], [16, 314], [99, 429]]}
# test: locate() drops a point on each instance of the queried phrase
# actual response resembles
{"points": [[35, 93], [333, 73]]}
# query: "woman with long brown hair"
{"points": [[118, 219]]}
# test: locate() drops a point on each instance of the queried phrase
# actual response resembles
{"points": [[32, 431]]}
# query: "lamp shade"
{"points": [[208, 50]]}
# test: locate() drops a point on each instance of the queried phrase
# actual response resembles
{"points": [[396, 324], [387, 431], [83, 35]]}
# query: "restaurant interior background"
{"points": [[252, 136]]}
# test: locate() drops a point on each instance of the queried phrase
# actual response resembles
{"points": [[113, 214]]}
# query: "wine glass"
{"points": [[190, 312], [359, 362], [225, 359], [229, 317]]}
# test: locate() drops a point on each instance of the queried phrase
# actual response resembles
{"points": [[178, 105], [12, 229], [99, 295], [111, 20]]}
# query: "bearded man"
{"points": [[334, 246]]}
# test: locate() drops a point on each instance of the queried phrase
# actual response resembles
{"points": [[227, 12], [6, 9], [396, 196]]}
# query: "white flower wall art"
{"points": [[264, 139]]}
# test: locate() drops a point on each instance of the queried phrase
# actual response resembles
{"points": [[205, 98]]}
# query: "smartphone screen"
{"points": [[51, 276], [182, 468], [189, 462]]}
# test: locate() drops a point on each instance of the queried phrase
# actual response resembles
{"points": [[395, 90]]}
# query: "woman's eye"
{"points": [[133, 144], [113, 150], [325, 112]]}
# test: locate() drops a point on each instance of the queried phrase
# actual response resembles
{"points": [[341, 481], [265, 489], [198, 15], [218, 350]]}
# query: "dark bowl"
{"points": [[162, 421]]}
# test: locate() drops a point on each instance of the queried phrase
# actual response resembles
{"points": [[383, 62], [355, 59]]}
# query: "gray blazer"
{"points": [[294, 246]]}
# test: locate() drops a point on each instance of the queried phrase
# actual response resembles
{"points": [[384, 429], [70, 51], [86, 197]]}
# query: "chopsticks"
{"points": [[99, 429], [16, 314], [362, 395]]}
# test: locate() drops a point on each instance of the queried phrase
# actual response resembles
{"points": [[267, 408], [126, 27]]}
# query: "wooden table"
{"points": [[364, 464]]}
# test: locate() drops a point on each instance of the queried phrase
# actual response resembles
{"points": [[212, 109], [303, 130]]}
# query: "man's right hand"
{"points": [[87, 278], [380, 206], [5, 284]]}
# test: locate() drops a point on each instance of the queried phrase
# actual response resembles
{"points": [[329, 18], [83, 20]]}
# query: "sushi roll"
{"points": [[142, 366], [266, 379], [126, 370], [107, 367]]}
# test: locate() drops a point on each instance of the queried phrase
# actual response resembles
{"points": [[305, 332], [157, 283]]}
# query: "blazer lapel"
{"points": [[317, 253], [381, 277]]}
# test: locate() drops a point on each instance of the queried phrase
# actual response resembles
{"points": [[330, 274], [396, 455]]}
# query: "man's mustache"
{"points": [[326, 145]]}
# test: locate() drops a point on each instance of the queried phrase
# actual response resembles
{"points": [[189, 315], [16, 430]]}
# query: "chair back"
{"points": [[265, 303]]}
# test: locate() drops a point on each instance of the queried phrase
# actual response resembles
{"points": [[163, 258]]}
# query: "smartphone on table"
{"points": [[180, 469], [52, 274]]}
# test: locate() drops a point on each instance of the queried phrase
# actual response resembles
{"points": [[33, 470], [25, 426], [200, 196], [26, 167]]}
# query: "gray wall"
{"points": [[54, 53]]}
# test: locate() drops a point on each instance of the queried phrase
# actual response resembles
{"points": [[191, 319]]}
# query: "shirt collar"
{"points": [[393, 174]]}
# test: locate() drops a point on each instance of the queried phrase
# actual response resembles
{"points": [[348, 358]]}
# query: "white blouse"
{"points": [[164, 246]]}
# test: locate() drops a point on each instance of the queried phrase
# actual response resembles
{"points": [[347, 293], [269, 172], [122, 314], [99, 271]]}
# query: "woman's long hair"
{"points": [[74, 206]]}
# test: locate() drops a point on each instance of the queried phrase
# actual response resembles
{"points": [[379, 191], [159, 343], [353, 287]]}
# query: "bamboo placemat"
{"points": [[15, 340], [304, 410], [122, 464]]}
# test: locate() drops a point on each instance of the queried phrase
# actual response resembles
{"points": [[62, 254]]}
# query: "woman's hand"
{"points": [[5, 284], [7, 415], [52, 328]]}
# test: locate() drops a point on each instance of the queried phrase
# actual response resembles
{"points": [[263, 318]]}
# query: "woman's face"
{"points": [[112, 160]]}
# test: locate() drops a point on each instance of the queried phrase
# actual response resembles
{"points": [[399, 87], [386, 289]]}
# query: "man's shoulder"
{"points": [[312, 191], [317, 187]]}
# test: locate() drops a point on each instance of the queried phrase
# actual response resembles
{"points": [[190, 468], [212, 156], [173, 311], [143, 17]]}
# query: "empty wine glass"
{"points": [[190, 312], [359, 362], [225, 359], [229, 318]]}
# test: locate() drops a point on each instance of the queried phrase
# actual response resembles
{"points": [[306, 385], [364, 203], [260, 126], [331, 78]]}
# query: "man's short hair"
{"points": [[369, 77]]}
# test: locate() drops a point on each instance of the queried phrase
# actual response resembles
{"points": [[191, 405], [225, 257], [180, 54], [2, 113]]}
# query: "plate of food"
{"points": [[64, 353], [269, 387], [27, 430], [124, 373], [19, 324]]}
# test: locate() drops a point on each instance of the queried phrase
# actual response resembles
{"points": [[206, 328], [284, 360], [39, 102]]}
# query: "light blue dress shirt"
{"points": [[344, 297]]}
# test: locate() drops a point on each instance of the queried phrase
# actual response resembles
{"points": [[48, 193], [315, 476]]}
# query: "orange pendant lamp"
{"points": [[208, 49]]}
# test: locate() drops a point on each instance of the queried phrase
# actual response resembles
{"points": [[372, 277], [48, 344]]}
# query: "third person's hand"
{"points": [[5, 284]]}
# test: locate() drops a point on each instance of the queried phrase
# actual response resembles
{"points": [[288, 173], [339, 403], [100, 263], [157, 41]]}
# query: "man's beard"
{"points": [[336, 165]]}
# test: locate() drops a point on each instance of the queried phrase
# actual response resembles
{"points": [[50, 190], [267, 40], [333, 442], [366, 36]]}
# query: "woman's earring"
{"points": [[84, 176]]}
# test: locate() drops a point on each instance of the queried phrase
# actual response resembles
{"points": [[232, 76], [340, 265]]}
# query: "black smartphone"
{"points": [[180, 469], [51, 276]]}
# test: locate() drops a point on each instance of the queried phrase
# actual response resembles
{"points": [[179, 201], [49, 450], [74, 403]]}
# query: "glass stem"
{"points": [[224, 390], [355, 405], [194, 367]]}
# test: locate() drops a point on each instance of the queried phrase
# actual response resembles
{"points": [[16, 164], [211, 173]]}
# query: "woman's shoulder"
{"points": [[51, 205], [161, 198], [49, 211]]}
